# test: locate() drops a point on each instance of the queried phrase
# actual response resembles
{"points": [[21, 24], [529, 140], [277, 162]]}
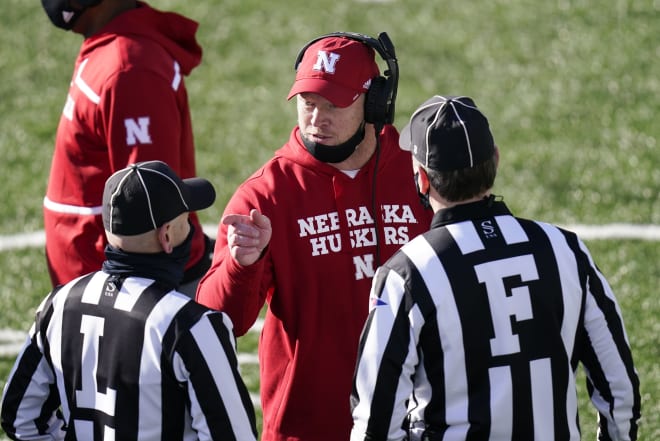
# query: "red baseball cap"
{"points": [[337, 68]]}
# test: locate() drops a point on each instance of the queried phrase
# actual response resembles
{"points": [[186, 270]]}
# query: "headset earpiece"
{"points": [[376, 100], [381, 97]]}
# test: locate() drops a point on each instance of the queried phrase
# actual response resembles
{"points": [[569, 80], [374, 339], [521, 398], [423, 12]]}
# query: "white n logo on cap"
{"points": [[326, 62]]}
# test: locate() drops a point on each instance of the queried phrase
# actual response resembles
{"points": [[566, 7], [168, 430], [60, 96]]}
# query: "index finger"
{"points": [[232, 219]]}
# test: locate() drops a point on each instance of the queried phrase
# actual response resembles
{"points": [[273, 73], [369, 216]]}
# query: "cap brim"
{"points": [[405, 138], [337, 95], [201, 193]]}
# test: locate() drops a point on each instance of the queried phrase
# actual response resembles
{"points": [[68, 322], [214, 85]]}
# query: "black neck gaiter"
{"points": [[166, 268], [336, 153]]}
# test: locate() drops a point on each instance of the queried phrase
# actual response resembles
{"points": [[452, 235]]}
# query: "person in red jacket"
{"points": [[307, 230], [127, 103]]}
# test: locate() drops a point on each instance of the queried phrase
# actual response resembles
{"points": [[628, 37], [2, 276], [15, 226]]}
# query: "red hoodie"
{"points": [[316, 276], [127, 102]]}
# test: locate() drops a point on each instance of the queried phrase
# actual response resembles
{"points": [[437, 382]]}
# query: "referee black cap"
{"points": [[144, 196], [448, 133]]}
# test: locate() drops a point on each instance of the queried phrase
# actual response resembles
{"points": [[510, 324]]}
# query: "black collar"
{"points": [[487, 207]]}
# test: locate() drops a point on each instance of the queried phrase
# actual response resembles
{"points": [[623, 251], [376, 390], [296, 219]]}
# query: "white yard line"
{"points": [[11, 342], [616, 231], [607, 231], [23, 240]]}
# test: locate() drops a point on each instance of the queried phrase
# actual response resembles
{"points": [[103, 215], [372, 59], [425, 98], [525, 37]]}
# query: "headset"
{"points": [[381, 96]]}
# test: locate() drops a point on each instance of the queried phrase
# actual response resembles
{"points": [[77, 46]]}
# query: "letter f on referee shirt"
{"points": [[502, 307]]}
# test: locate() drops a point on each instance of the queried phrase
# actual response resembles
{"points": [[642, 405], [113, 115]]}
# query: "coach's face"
{"points": [[322, 122]]}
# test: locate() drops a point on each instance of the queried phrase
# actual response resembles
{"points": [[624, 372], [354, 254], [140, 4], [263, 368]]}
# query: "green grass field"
{"points": [[570, 87]]}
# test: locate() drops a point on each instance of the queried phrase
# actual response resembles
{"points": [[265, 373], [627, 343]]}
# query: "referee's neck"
{"points": [[439, 203]]}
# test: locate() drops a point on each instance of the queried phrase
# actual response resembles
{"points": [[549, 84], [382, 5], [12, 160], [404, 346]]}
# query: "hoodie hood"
{"points": [[170, 30]]}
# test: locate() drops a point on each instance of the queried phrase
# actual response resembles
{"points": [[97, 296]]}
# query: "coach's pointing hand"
{"points": [[247, 235]]}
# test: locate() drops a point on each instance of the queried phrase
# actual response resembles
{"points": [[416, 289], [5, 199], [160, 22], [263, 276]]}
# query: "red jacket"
{"points": [[315, 276], [127, 102]]}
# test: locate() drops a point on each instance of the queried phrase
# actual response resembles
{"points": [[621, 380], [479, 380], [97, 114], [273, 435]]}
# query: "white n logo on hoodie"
{"points": [[137, 131]]}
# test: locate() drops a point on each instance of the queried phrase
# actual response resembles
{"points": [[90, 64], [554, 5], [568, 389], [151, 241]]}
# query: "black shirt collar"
{"points": [[487, 207]]}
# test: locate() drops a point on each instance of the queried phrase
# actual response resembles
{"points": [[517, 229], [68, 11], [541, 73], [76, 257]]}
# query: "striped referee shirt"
{"points": [[476, 330], [126, 359]]}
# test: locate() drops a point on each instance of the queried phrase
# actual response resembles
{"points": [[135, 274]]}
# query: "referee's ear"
{"points": [[165, 237], [423, 182]]}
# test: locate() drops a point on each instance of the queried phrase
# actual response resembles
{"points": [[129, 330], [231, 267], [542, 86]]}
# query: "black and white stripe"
{"points": [[476, 330], [108, 360]]}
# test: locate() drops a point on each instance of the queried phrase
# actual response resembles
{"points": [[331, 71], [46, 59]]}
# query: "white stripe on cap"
{"points": [[429, 126], [467, 135], [146, 192], [452, 101], [414, 147], [178, 190], [118, 191], [138, 169]]}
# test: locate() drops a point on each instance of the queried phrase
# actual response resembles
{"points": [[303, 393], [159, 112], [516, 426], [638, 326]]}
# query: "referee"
{"points": [[477, 327], [119, 354]]}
